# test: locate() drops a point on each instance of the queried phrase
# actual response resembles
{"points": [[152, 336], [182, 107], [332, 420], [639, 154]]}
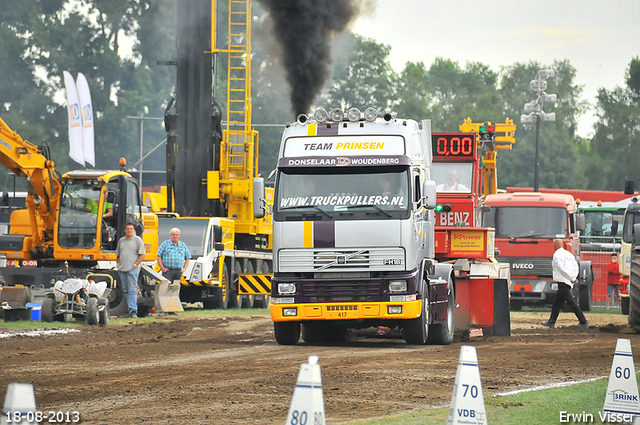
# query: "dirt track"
{"points": [[231, 371]]}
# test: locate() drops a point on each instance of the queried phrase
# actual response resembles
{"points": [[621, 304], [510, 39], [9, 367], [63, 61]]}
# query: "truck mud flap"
{"points": [[167, 294], [254, 284]]}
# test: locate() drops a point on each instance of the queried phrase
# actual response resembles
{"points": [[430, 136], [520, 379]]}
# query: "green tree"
{"points": [[41, 39], [614, 147], [559, 146]]}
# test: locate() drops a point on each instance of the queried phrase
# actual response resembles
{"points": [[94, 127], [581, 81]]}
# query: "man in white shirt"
{"points": [[565, 272], [452, 185]]}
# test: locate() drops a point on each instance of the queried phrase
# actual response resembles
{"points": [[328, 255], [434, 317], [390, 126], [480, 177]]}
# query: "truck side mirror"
{"points": [[258, 197], [429, 194], [581, 222], [217, 238], [629, 187]]}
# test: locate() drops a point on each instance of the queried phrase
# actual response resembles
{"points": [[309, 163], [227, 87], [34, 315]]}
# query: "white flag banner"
{"points": [[76, 150], [86, 112]]}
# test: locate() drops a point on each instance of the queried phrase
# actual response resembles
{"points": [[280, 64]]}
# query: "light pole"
{"points": [[535, 114]]}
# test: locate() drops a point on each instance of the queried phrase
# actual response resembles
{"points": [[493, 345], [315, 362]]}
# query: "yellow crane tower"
{"points": [[239, 146], [488, 143]]}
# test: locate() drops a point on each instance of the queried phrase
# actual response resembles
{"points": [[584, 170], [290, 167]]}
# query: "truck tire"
{"points": [[314, 332], [586, 286], [442, 333], [286, 333], [47, 310], [634, 290], [416, 331], [585, 298], [93, 313], [220, 299]]}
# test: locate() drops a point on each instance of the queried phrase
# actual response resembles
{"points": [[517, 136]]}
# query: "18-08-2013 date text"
{"points": [[47, 417]]}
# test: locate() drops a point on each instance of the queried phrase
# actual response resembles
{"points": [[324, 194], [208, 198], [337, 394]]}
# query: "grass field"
{"points": [[542, 407]]}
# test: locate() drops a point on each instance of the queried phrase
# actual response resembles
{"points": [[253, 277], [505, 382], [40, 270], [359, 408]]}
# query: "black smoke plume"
{"points": [[305, 29]]}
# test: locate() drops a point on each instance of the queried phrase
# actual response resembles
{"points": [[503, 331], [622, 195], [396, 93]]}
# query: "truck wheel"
{"points": [[286, 333], [225, 294], [585, 298], [634, 290], [93, 313], [416, 331], [47, 310], [585, 291], [442, 333], [104, 313], [624, 304]]}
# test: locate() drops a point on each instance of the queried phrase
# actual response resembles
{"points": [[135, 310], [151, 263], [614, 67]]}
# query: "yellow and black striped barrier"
{"points": [[254, 284]]}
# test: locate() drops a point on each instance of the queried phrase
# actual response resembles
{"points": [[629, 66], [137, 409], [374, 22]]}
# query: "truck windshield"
{"points": [[453, 176], [630, 219], [527, 222], [78, 215], [323, 194], [603, 225], [193, 233]]}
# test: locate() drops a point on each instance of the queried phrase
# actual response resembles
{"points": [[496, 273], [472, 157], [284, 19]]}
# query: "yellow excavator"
{"points": [[71, 223]]}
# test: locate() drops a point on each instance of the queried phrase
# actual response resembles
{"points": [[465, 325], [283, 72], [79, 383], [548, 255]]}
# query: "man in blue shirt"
{"points": [[173, 256]]}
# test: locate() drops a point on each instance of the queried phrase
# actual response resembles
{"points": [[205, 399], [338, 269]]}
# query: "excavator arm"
{"points": [[27, 160]]}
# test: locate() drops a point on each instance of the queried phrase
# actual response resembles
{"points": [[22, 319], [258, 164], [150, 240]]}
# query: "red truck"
{"points": [[482, 284], [525, 225]]}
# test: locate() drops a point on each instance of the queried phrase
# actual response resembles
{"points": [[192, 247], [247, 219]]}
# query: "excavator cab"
{"points": [[94, 208]]}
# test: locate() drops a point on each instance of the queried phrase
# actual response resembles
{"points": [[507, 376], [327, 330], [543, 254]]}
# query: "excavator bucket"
{"points": [[168, 297], [167, 294]]}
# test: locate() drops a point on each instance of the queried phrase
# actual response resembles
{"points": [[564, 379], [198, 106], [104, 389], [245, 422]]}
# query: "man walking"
{"points": [[173, 256], [130, 253], [565, 272]]}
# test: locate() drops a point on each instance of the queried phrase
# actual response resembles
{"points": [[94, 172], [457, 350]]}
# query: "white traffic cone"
{"points": [[19, 405], [307, 403], [621, 400], [467, 401]]}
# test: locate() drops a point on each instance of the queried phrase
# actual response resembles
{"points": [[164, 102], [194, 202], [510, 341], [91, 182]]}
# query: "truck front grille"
{"points": [[341, 291], [528, 266], [341, 260]]}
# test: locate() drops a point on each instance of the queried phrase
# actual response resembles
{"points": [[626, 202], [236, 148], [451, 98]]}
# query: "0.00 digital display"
{"points": [[454, 145]]}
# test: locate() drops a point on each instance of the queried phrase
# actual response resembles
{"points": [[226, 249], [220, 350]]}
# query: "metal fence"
{"points": [[598, 250]]}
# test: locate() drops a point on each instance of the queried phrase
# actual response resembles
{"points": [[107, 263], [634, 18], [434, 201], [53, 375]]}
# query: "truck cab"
{"points": [[353, 231], [526, 223]]}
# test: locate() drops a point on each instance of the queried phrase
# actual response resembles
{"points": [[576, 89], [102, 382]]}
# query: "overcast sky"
{"points": [[598, 38]]}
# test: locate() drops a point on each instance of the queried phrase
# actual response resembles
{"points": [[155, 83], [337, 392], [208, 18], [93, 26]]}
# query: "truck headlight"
{"points": [[290, 312], [286, 288], [398, 286]]}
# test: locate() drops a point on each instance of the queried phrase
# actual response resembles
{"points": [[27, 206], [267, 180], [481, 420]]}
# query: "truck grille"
{"points": [[341, 291], [528, 266], [341, 260]]}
